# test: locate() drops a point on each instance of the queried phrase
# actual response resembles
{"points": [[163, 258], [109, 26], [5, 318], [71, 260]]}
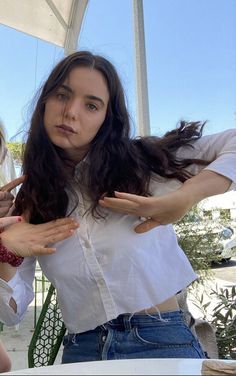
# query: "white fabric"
{"points": [[7, 169], [105, 268], [56, 21]]}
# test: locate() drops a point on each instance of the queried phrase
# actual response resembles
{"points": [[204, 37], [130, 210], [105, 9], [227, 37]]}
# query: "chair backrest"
{"points": [[48, 334]]}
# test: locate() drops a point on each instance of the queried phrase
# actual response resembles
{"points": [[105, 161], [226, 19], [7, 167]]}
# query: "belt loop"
{"points": [[73, 339], [127, 321]]}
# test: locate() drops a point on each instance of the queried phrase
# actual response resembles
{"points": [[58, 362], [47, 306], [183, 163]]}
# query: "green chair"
{"points": [[48, 334]]}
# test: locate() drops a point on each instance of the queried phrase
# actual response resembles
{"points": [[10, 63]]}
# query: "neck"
{"points": [[76, 157]]}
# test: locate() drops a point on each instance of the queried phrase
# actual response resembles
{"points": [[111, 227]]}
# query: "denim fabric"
{"points": [[134, 336]]}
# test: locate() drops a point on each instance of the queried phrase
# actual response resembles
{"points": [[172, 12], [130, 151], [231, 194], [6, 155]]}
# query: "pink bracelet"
{"points": [[8, 256]]}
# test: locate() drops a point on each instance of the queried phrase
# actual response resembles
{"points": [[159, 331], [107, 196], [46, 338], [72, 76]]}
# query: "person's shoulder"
{"points": [[3, 154], [225, 133]]}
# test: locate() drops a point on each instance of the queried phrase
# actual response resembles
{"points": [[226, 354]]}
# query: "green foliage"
{"points": [[224, 319], [198, 236], [16, 149], [222, 315]]}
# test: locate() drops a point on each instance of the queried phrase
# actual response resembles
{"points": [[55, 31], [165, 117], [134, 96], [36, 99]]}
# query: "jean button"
{"points": [[104, 338]]}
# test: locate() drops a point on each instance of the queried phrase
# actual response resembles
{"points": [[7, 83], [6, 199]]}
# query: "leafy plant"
{"points": [[224, 319], [16, 149], [198, 237], [222, 315]]}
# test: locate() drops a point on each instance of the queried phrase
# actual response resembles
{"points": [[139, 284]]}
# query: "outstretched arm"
{"points": [[24, 239], [172, 206], [171, 199], [19, 238]]}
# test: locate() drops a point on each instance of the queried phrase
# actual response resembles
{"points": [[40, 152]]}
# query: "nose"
{"points": [[72, 110]]}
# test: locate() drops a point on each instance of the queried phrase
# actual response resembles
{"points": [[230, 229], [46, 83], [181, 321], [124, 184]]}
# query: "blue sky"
{"points": [[191, 59]]}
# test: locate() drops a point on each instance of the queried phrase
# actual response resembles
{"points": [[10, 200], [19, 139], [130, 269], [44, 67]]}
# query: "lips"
{"points": [[66, 128]]}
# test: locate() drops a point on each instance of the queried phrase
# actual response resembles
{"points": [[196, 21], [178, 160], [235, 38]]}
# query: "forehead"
{"points": [[84, 80]]}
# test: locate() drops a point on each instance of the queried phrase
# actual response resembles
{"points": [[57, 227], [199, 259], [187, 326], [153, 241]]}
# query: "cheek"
{"points": [[47, 113], [93, 125], [96, 129], [101, 121], [50, 114]]}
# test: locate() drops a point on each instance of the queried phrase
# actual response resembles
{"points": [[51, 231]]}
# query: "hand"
{"points": [[6, 221], [25, 239], [6, 198], [157, 210]]}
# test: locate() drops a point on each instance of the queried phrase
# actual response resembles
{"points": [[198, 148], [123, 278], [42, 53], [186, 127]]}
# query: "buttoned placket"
{"points": [[93, 264]]}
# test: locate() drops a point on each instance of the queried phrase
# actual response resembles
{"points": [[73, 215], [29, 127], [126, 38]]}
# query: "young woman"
{"points": [[7, 172], [118, 274]]}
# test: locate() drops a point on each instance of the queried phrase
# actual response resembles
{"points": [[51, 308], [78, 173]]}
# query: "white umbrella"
{"points": [[55, 21], [59, 22]]}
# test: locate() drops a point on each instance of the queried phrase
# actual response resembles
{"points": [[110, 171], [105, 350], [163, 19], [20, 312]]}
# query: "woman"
{"points": [[118, 274], [7, 173]]}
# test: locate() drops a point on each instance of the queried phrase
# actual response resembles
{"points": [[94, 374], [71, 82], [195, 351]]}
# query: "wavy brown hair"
{"points": [[116, 160]]}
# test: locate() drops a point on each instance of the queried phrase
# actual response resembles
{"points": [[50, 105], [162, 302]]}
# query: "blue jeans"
{"points": [[134, 336]]}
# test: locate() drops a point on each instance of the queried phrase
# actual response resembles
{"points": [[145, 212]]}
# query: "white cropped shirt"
{"points": [[105, 268]]}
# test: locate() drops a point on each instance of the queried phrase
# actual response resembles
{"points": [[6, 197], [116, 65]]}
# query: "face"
{"points": [[76, 111]]}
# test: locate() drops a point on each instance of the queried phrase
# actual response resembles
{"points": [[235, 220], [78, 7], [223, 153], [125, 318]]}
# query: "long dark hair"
{"points": [[116, 161]]}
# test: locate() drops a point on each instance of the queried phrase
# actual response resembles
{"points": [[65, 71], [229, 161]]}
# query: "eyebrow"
{"points": [[92, 97]]}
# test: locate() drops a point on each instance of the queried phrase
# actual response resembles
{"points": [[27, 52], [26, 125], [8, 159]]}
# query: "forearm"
{"points": [[203, 185], [17, 293], [7, 271]]}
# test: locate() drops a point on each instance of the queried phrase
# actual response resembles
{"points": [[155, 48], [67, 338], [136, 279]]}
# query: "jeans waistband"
{"points": [[148, 319], [128, 320]]}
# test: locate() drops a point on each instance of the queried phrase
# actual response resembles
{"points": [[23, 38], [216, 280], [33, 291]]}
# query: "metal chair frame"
{"points": [[48, 334]]}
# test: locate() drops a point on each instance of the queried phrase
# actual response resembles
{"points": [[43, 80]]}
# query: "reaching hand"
{"points": [[157, 210], [25, 239], [6, 198], [6, 221]]}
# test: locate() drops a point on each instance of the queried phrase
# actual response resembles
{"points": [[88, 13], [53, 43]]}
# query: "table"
{"points": [[179, 367]]}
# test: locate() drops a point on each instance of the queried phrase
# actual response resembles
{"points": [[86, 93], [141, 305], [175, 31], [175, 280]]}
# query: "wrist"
{"points": [[205, 184], [7, 256]]}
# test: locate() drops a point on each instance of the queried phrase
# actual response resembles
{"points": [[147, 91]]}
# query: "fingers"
{"points": [[5, 196], [13, 184], [9, 221], [57, 237], [147, 225], [38, 250], [51, 234], [60, 230], [6, 202], [4, 211], [118, 204], [57, 225], [71, 222], [128, 196]]}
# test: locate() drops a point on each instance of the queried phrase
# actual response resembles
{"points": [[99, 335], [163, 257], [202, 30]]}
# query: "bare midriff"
{"points": [[168, 305]]}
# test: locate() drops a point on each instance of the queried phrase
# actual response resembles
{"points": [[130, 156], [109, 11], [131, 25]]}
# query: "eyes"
{"points": [[92, 107], [65, 97], [62, 97]]}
